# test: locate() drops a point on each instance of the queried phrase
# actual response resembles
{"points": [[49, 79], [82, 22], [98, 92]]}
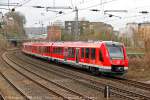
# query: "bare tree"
{"points": [[14, 26]]}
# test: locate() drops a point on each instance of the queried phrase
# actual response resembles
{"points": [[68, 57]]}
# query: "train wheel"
{"points": [[94, 70]]}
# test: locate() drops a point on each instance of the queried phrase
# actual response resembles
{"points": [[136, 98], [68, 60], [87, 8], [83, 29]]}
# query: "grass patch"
{"points": [[139, 68]]}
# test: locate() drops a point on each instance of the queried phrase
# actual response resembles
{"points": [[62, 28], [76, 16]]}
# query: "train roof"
{"points": [[38, 43], [89, 44], [78, 44]]}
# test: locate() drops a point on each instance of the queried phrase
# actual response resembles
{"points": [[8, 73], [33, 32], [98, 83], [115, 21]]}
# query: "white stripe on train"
{"points": [[85, 65]]}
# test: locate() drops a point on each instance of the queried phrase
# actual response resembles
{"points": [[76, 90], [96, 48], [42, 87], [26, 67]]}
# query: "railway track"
{"points": [[13, 86], [128, 82], [2, 96], [58, 96], [58, 85], [94, 84]]}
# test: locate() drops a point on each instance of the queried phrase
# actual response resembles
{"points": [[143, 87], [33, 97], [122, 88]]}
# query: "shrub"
{"points": [[3, 42]]}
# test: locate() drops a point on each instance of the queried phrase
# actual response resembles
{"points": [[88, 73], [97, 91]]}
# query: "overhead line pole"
{"points": [[77, 33]]}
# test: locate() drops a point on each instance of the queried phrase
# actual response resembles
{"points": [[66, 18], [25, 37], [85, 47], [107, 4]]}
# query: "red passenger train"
{"points": [[106, 57]]}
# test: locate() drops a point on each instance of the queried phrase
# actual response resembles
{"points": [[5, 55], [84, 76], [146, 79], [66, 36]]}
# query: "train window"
{"points": [[115, 52], [54, 50], [61, 50], [46, 49], [35, 48], [100, 56], [58, 50], [87, 52], [93, 53], [30, 48], [40, 49], [71, 52], [82, 52]]}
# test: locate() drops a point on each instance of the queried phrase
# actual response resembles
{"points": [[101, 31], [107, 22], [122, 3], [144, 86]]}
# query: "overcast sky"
{"points": [[34, 15]]}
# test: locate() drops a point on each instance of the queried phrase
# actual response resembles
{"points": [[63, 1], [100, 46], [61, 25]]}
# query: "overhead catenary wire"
{"points": [[4, 8], [8, 5], [106, 2], [15, 5], [124, 18], [87, 8], [81, 3], [128, 17], [22, 4], [136, 8]]}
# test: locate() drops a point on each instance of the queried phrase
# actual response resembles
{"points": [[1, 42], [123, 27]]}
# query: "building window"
{"points": [[69, 29], [69, 23], [91, 26], [84, 24]]}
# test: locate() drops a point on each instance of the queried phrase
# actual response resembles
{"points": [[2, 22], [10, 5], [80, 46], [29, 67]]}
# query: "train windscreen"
{"points": [[115, 52]]}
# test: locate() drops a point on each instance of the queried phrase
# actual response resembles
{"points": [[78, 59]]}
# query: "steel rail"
{"points": [[6, 60], [95, 86], [76, 93], [26, 97]]}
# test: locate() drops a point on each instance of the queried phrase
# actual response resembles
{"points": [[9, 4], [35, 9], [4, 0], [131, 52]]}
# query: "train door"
{"points": [[77, 55], [65, 53], [92, 55]]}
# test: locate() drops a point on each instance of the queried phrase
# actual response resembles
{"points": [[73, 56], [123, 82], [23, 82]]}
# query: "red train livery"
{"points": [[106, 57]]}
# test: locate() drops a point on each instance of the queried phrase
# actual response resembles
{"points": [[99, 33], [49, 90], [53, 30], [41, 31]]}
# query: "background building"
{"points": [[100, 27], [86, 26], [54, 33], [70, 26], [144, 31], [136, 33]]}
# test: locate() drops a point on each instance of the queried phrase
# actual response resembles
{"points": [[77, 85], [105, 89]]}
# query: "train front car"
{"points": [[116, 57]]}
